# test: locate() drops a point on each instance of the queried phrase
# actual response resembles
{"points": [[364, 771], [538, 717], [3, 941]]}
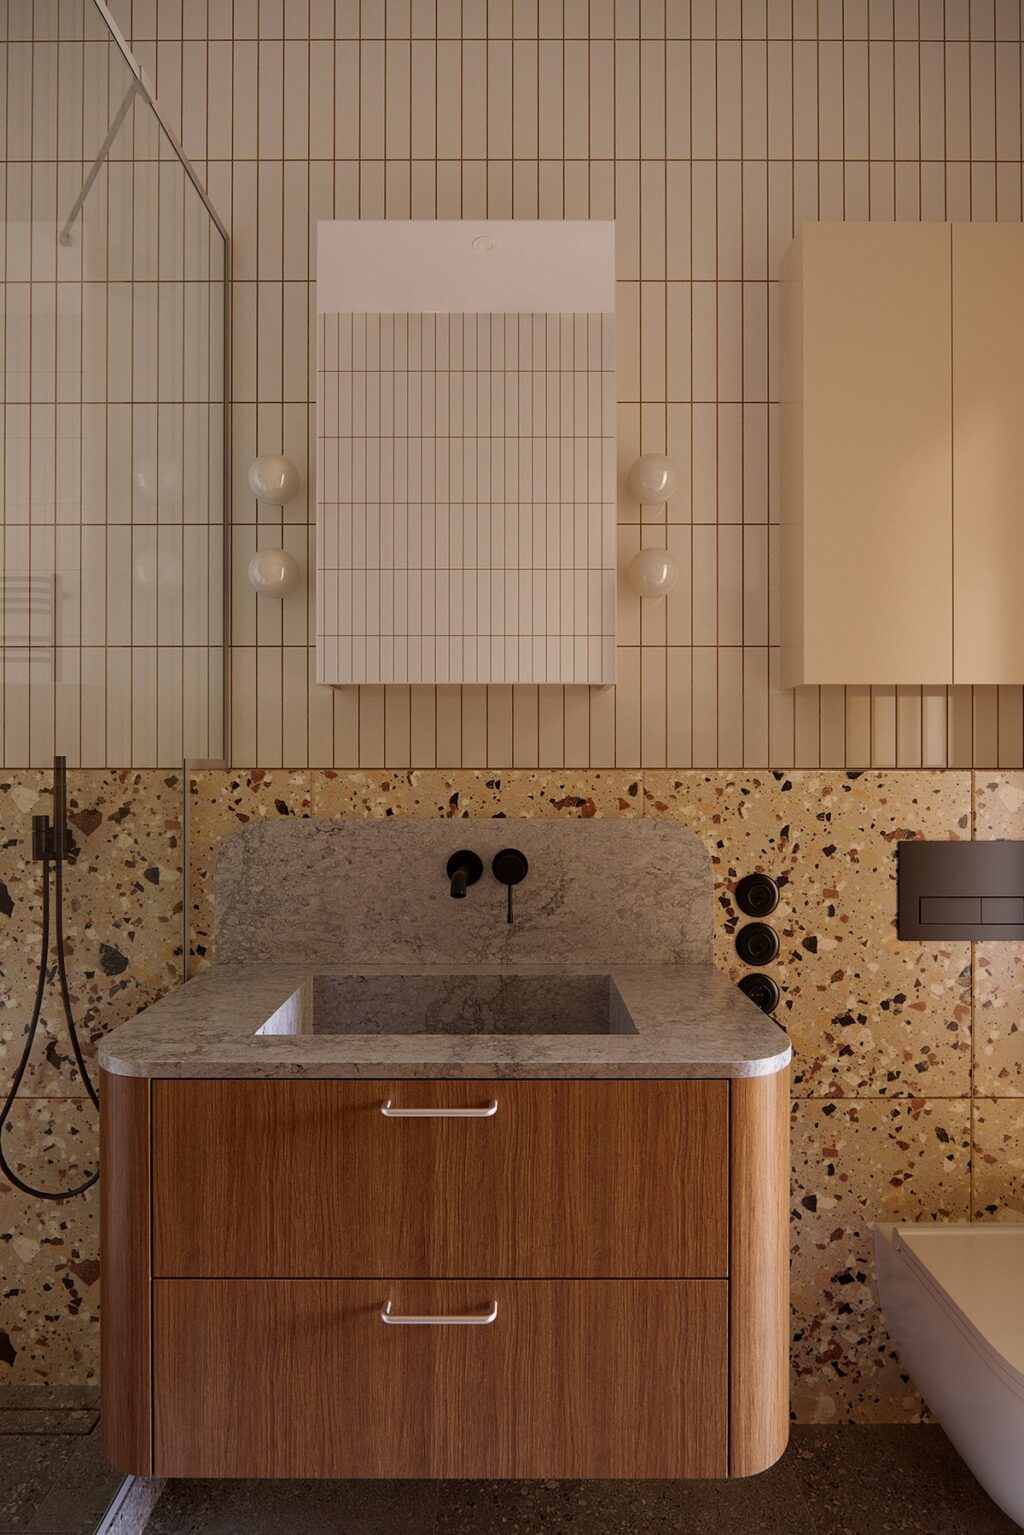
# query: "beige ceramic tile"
{"points": [[456, 794], [998, 1170], [866, 1013], [999, 967], [489, 97], [49, 1321], [221, 803], [853, 1164], [122, 911]]}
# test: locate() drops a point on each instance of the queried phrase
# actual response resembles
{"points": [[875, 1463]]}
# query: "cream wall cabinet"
{"points": [[988, 453], [902, 386]]}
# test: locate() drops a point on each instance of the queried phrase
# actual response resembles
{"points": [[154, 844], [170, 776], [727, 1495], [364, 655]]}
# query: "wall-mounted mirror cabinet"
{"points": [[466, 452]]}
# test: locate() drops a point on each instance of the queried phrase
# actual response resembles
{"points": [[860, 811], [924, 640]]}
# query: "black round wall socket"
{"points": [[757, 943], [762, 991], [757, 895]]}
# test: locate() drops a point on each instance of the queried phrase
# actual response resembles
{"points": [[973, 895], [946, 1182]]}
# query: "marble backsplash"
{"points": [[908, 1082], [336, 890]]}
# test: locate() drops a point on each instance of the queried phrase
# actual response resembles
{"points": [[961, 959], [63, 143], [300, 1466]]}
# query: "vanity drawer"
{"points": [[544, 1179], [588, 1378]]}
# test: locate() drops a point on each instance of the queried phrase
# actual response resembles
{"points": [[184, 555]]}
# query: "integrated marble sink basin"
{"points": [[457, 1004]]}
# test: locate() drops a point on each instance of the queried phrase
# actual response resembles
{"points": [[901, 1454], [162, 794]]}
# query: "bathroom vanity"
{"points": [[508, 1201]]}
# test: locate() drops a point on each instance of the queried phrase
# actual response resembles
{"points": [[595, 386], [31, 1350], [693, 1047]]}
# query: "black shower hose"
{"points": [[62, 976]]}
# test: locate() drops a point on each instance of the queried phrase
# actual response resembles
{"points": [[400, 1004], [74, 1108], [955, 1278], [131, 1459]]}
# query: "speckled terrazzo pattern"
{"points": [[998, 1167], [846, 1480], [124, 929], [882, 1031], [999, 967], [122, 910], [866, 1013], [464, 794], [871, 1019], [49, 1252], [221, 803], [855, 1162]]}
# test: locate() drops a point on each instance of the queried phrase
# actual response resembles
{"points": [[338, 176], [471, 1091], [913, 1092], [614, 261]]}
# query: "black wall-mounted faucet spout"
{"points": [[464, 869]]}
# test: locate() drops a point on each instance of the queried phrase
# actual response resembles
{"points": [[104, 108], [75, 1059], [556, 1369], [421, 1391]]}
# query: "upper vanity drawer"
{"points": [[440, 1178]]}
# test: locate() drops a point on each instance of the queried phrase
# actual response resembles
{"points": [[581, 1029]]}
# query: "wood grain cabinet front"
{"points": [[345, 1179], [525, 1279], [303, 1378]]}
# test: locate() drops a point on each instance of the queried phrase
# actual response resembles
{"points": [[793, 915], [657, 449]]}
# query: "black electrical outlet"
{"points": [[762, 991], [757, 895], [757, 943]]}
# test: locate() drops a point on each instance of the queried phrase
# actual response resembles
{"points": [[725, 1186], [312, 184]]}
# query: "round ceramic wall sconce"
{"points": [[273, 572], [652, 479], [653, 573], [273, 478]]}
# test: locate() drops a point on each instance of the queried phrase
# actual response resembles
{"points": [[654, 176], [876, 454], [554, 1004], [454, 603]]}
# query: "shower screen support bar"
{"points": [[146, 91], [101, 154]]}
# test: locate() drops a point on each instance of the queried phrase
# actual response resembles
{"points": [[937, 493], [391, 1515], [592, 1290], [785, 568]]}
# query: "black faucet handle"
{"points": [[510, 867], [464, 869]]}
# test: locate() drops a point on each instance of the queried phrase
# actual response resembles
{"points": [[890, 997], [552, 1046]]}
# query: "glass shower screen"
{"points": [[112, 412]]}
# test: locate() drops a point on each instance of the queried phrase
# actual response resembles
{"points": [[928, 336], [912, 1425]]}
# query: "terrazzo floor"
{"points": [[53, 1477], [875, 1480], [871, 1480]]}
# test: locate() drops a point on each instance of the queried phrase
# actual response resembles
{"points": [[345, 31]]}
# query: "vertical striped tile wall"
{"points": [[466, 498], [111, 414], [708, 130]]}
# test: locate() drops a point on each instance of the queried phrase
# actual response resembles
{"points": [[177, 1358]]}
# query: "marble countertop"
{"points": [[664, 1021]]}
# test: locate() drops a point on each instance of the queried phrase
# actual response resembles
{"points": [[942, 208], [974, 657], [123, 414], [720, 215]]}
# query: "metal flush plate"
{"points": [[972, 890]]}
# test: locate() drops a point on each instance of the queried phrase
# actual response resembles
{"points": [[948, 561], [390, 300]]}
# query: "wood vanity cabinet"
{"points": [[902, 452], [266, 1243]]}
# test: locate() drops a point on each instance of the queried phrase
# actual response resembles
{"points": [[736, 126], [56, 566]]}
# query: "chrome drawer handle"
{"points": [[390, 1112], [484, 1320]]}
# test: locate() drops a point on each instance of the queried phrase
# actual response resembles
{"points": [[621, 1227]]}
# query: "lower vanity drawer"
{"points": [[572, 1378]]}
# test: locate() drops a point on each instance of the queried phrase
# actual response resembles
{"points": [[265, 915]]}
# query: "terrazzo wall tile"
{"points": [[999, 805], [125, 935], [997, 1191], [49, 1252], [220, 803], [999, 1019], [465, 794], [880, 1029], [999, 967], [871, 1019], [855, 1163], [866, 1013], [122, 911]]}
